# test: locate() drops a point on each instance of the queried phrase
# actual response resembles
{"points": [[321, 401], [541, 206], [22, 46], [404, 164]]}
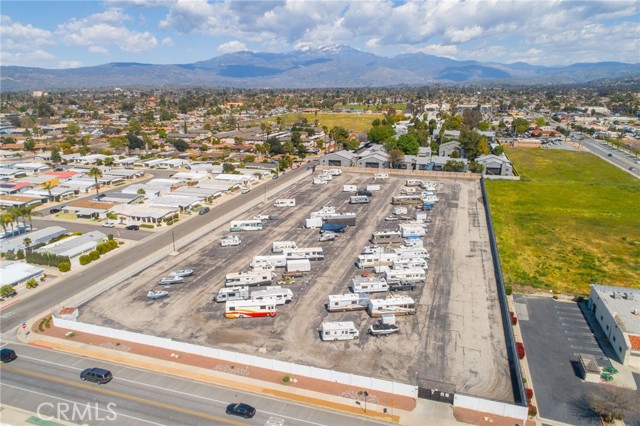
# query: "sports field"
{"points": [[573, 220]]}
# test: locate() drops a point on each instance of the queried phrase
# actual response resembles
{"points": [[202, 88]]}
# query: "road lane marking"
{"points": [[79, 402], [122, 395]]}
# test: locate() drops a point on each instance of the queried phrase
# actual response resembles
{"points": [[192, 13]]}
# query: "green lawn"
{"points": [[573, 220], [352, 122]]}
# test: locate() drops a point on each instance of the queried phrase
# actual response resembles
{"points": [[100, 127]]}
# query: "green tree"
{"points": [[29, 145], [396, 157], [380, 134], [408, 144], [27, 243], [55, 156], [180, 145], [483, 126], [73, 128], [95, 173], [228, 168], [454, 166]]}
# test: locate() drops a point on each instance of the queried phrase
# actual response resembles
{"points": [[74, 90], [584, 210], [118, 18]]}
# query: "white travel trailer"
{"points": [[399, 210], [311, 253], [413, 182], [397, 305], [413, 242], [359, 199], [285, 202], [421, 216], [412, 253], [376, 259], [280, 246], [386, 237], [319, 181], [254, 278], [372, 188], [369, 285], [230, 240], [381, 176], [372, 250], [298, 265], [347, 302], [313, 222], [333, 172], [428, 185], [277, 260], [411, 230], [232, 293], [411, 275], [416, 263], [326, 176], [349, 188], [262, 266], [324, 212], [246, 225], [275, 294], [339, 331], [408, 191], [250, 309]]}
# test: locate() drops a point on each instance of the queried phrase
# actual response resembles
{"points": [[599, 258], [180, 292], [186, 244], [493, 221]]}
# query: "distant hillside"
{"points": [[335, 66]]}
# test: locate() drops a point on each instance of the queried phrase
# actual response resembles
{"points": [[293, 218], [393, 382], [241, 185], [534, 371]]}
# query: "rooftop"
{"points": [[621, 301]]}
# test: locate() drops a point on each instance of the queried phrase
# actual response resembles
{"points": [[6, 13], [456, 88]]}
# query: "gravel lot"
{"points": [[455, 340]]}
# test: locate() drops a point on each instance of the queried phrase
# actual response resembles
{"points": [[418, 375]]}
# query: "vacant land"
{"points": [[454, 342], [573, 220], [352, 122]]}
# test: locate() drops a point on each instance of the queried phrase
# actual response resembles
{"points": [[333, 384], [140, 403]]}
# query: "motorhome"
{"points": [[349, 188], [412, 182], [277, 260], [253, 278], [285, 202], [376, 259], [408, 191], [413, 275], [412, 253], [333, 172], [386, 237], [311, 253], [276, 294], [372, 188], [407, 263], [246, 225], [406, 200], [341, 219], [411, 230], [313, 222], [280, 246], [383, 176], [397, 305], [359, 199], [232, 293], [339, 331], [298, 265], [372, 250], [324, 212], [399, 210], [262, 266], [369, 285], [230, 240], [347, 302], [250, 308], [413, 243]]}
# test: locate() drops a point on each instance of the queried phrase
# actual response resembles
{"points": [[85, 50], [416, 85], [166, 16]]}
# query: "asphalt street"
{"points": [[48, 384], [618, 157]]}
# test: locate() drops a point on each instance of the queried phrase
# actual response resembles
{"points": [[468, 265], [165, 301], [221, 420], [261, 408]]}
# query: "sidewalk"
{"points": [[16, 416]]}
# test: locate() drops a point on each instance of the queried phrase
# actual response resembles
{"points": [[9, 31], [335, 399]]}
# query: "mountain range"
{"points": [[325, 67]]}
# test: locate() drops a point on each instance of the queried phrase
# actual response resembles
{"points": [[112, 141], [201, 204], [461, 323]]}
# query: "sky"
{"points": [[70, 34]]}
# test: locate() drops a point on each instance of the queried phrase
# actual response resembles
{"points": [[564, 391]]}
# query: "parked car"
{"points": [[609, 155], [204, 210], [101, 196], [172, 279], [7, 355], [54, 211], [109, 225], [132, 227], [242, 410], [182, 273], [245, 190], [364, 192], [275, 177], [96, 375]]}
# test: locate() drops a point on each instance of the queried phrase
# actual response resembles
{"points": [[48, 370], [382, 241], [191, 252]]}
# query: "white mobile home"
{"points": [[339, 331], [277, 261], [311, 253], [386, 237], [397, 305], [285, 202], [246, 225], [347, 302], [275, 294], [280, 246], [411, 275], [248, 278], [375, 259], [232, 293], [369, 285]]}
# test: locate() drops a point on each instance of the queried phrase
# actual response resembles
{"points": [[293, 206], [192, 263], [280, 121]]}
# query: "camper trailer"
{"points": [[409, 263], [386, 237], [298, 265], [408, 230], [406, 200], [376, 259], [413, 275], [253, 278], [232, 293], [399, 210], [369, 285], [277, 260], [341, 219], [397, 305], [372, 250], [359, 199], [408, 191], [285, 202], [334, 172], [311, 253], [428, 185], [349, 188], [280, 246], [412, 182], [319, 181], [230, 240], [262, 266], [324, 212], [313, 222], [412, 253], [382, 176], [347, 302], [275, 294], [339, 331], [372, 188], [246, 225], [250, 308]]}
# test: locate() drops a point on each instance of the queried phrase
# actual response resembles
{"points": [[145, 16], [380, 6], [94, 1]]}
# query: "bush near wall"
{"points": [[64, 266], [520, 349], [94, 255], [85, 259], [48, 259]]}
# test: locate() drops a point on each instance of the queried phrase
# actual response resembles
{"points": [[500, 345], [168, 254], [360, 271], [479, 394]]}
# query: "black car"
{"points": [[7, 355], [242, 410], [204, 210], [364, 192], [275, 177], [54, 211], [132, 227], [96, 375]]}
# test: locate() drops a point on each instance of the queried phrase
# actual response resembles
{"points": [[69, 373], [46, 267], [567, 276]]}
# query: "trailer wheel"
{"points": [[356, 337], [335, 339], [272, 314]]}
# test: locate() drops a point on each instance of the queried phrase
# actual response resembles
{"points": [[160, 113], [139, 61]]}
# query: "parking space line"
{"points": [[578, 333]]}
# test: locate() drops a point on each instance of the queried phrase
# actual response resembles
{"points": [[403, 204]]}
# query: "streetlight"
{"points": [[365, 394]]}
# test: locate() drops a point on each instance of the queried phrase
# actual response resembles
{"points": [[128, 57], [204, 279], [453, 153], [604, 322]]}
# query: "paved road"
{"points": [[86, 226], [45, 382], [11, 316], [619, 158]]}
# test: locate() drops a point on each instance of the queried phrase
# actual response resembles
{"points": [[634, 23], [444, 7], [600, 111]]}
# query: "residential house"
{"points": [[14, 273], [448, 148], [75, 246], [338, 159], [84, 209], [37, 237], [377, 159], [494, 165], [438, 162]]}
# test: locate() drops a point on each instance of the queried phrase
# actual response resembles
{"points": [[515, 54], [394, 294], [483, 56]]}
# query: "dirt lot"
{"points": [[455, 340]]}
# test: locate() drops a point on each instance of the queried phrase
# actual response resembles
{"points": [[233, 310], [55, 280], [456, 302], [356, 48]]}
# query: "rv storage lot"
{"points": [[455, 341]]}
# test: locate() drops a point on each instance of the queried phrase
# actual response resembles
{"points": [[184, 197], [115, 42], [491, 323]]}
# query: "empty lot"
{"points": [[455, 340]]}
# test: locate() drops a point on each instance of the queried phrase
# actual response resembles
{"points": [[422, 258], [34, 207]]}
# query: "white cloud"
{"points": [[69, 64], [167, 41], [448, 50], [35, 58], [18, 37], [232, 46], [464, 34], [186, 16]]}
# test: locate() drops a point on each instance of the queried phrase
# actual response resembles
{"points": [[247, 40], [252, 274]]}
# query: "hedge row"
{"points": [[49, 259], [101, 249]]}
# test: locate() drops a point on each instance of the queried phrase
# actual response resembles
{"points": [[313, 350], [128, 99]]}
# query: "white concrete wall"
{"points": [[619, 341], [362, 382], [491, 407]]}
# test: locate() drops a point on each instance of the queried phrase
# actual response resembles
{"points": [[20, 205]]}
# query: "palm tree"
{"points": [[48, 185], [95, 173], [27, 243], [27, 211]]}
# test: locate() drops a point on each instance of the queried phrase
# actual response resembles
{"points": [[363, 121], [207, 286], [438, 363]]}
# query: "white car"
{"points": [[109, 225], [245, 190]]}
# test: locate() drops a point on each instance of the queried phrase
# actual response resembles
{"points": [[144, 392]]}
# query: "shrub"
{"points": [[20, 254], [85, 259], [286, 379], [520, 350], [529, 393], [10, 255], [146, 225], [94, 255], [7, 290], [508, 289], [64, 266], [32, 283], [533, 410]]}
